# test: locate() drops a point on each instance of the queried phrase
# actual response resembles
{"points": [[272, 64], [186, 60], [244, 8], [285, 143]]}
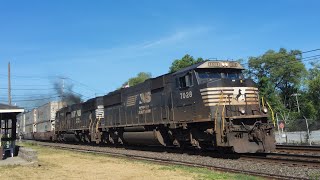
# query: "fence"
{"points": [[298, 137]]}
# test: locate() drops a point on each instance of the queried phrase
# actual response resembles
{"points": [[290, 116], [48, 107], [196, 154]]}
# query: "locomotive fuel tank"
{"points": [[144, 138]]}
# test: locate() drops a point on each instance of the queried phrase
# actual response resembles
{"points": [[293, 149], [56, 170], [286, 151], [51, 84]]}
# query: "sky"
{"points": [[98, 45]]}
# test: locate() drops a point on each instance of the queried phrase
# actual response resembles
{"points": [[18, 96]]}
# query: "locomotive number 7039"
{"points": [[186, 95]]}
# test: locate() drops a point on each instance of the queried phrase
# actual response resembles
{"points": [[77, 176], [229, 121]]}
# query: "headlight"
{"points": [[224, 64], [264, 110], [242, 110]]}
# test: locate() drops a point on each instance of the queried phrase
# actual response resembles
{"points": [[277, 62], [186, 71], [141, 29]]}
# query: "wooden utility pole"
{"points": [[9, 85]]}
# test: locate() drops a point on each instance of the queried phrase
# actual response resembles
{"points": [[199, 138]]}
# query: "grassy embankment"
{"points": [[64, 164]]}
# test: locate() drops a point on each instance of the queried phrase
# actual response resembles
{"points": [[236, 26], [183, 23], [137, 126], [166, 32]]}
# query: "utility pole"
{"points": [[62, 89], [9, 85], [296, 95], [278, 128], [308, 130]]}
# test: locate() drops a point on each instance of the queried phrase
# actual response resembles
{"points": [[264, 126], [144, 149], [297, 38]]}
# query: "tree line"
{"points": [[290, 85]]}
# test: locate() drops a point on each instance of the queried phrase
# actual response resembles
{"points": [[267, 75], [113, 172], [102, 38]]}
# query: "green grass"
{"points": [[314, 176], [199, 173], [206, 174]]}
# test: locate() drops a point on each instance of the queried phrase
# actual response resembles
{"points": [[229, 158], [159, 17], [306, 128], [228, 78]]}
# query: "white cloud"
{"points": [[179, 35], [142, 49]]}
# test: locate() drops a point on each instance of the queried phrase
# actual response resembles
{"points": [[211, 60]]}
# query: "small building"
{"points": [[8, 126]]}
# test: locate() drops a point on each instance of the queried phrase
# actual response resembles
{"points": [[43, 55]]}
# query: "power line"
{"points": [[31, 89], [23, 100], [31, 76], [73, 92], [46, 77], [315, 56], [310, 51], [21, 85], [302, 60], [37, 95], [293, 54], [84, 85], [9, 84], [294, 62]]}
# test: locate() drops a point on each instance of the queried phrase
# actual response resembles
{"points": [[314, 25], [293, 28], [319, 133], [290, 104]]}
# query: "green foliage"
{"points": [[284, 81], [185, 61], [140, 78], [314, 84], [202, 173], [278, 74]]}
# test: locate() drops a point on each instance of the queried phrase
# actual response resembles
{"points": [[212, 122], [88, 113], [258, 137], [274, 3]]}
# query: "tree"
{"points": [[140, 78], [185, 61], [279, 75], [313, 83]]}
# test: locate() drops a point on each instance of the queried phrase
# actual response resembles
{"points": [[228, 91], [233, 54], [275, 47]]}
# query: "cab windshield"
{"points": [[205, 75]]}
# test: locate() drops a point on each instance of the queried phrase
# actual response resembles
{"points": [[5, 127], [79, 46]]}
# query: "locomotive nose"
{"points": [[213, 96]]}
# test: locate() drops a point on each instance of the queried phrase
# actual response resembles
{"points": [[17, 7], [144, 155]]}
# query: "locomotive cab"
{"points": [[240, 119]]}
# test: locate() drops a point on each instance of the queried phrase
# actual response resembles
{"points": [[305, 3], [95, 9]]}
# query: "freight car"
{"points": [[45, 124], [208, 104], [39, 123], [26, 121]]}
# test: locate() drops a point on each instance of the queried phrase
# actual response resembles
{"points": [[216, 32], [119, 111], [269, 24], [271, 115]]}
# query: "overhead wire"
{"points": [[13, 89], [35, 95], [84, 85], [23, 100], [73, 92], [303, 59], [96, 91]]}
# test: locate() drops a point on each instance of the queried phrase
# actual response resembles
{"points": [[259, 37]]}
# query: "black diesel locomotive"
{"points": [[208, 104]]}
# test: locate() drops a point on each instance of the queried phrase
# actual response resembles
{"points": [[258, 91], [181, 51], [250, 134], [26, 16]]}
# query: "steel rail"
{"points": [[298, 147]]}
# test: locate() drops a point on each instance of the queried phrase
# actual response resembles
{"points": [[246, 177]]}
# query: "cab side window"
{"points": [[185, 81]]}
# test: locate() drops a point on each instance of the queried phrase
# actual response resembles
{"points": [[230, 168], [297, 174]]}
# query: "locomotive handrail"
{"points": [[97, 125], [272, 113], [262, 99], [223, 112], [216, 114]]}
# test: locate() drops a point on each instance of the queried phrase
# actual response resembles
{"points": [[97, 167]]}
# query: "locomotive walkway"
{"points": [[255, 165]]}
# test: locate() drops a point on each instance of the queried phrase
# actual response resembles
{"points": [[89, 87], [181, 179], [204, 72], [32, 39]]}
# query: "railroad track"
{"points": [[264, 159], [299, 149], [291, 160]]}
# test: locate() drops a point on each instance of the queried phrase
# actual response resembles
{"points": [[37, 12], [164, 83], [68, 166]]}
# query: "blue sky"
{"points": [[103, 43]]}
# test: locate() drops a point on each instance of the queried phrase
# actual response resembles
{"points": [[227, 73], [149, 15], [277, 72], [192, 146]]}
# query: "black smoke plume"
{"points": [[66, 93]]}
